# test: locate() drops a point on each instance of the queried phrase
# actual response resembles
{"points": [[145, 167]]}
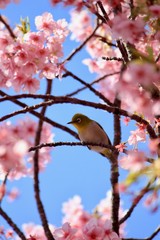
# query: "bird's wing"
{"points": [[109, 141]]}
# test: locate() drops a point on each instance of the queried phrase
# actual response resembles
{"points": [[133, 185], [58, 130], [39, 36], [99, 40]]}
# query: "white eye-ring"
{"points": [[78, 120]]}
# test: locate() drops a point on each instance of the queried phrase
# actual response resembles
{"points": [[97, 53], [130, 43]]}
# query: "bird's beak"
{"points": [[70, 122]]}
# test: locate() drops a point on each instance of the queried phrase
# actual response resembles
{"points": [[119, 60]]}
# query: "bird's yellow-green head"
{"points": [[80, 121]]}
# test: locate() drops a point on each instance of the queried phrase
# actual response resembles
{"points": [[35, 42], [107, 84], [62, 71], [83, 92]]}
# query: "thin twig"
{"points": [[135, 203], [113, 59], [100, 17], [105, 15], [92, 83], [97, 93], [8, 27], [104, 40], [4, 184], [154, 234], [36, 171], [81, 46], [12, 224]]}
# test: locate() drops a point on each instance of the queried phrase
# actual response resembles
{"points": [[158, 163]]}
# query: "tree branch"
{"points": [[4, 184], [97, 93], [8, 27], [39, 115], [135, 203], [81, 46], [115, 172], [60, 100], [92, 83], [36, 171], [56, 144], [148, 238], [12, 224]]}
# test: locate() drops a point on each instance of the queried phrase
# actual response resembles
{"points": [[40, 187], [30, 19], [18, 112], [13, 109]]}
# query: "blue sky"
{"points": [[73, 170]]}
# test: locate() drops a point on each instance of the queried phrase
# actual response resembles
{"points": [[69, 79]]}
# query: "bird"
{"points": [[91, 131]]}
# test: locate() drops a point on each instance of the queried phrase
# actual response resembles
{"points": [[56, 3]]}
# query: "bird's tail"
{"points": [[108, 153]]}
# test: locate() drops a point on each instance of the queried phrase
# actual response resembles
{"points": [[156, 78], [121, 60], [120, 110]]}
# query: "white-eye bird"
{"points": [[91, 131]]}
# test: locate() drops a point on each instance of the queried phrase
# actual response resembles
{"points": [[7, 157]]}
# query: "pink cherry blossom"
{"points": [[120, 147], [153, 145], [4, 3], [9, 234], [108, 232], [126, 120], [45, 23], [127, 29], [13, 194], [136, 136], [33, 231], [32, 53], [80, 28], [155, 10], [14, 143], [134, 161], [144, 74], [92, 230], [65, 232], [152, 201]]}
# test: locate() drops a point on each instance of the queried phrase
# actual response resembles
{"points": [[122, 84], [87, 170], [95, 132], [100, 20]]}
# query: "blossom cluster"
{"points": [[78, 224], [4, 3], [138, 84], [15, 140], [31, 53]]}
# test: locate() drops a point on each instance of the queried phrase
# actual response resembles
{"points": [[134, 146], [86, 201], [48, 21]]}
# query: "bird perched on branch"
{"points": [[91, 131]]}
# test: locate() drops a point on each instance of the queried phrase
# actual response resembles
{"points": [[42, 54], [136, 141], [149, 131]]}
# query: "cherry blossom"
{"points": [[65, 232], [32, 53], [13, 194], [120, 147], [127, 29], [14, 144], [81, 28], [33, 231], [134, 158], [137, 136], [4, 3]]}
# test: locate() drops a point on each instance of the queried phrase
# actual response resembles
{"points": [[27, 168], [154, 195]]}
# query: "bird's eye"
{"points": [[78, 120]]}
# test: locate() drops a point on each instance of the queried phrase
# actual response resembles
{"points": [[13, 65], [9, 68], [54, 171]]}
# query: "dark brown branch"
{"points": [[8, 27], [104, 40], [36, 171], [154, 234], [148, 238], [97, 93], [92, 83], [99, 16], [100, 5], [4, 184], [81, 46], [12, 224], [39, 115], [123, 50], [60, 100], [113, 59], [115, 172], [135, 203], [56, 144]]}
